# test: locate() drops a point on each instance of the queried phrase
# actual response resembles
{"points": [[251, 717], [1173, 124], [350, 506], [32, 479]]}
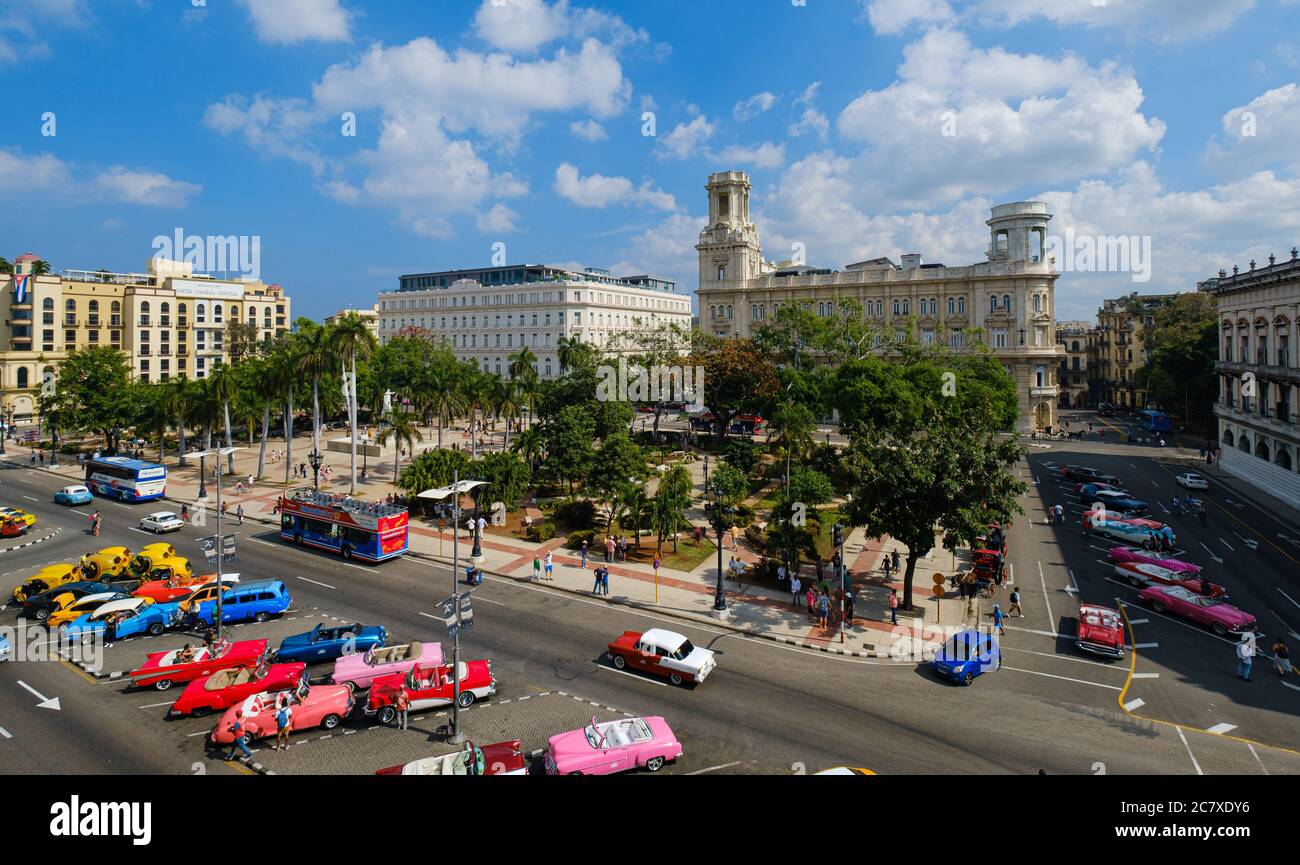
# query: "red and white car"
{"points": [[1142, 574], [1101, 631], [161, 670], [662, 653], [312, 706], [430, 688], [501, 758]]}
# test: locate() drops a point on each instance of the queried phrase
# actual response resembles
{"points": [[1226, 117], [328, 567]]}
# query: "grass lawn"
{"points": [[687, 558], [829, 516]]}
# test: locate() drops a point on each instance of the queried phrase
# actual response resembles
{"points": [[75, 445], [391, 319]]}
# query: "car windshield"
{"points": [[1207, 602], [593, 736], [684, 651]]}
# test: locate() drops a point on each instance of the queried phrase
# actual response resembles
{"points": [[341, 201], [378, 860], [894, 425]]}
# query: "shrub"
{"points": [[579, 513], [542, 532], [575, 539]]}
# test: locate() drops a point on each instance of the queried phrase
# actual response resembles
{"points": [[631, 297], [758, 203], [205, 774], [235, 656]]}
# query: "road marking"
{"points": [[1140, 622], [1289, 685], [156, 705], [1250, 542], [1253, 753], [714, 768], [1154, 484], [1289, 598], [31, 498], [1228, 545], [1060, 657], [1189, 750], [1051, 619], [650, 681], [1145, 675], [1135, 704], [1073, 588], [315, 583], [1064, 678], [46, 702], [1031, 631], [140, 530], [1220, 729], [1146, 645], [1212, 555], [490, 601]]}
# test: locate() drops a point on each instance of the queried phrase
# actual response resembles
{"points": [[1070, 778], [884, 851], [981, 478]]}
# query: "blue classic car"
{"points": [[6, 648], [255, 601], [118, 620], [966, 655], [330, 644], [1118, 501], [73, 495]]}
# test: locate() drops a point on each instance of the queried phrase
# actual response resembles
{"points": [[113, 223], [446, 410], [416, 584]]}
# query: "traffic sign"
{"points": [[938, 591], [938, 578]]}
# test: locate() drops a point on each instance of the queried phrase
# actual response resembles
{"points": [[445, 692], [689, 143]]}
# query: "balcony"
{"points": [[165, 351], [182, 351], [1287, 374], [144, 321], [92, 321], [165, 321], [70, 321]]}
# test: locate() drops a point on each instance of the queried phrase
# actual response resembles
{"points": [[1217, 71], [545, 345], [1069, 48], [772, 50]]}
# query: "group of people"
{"points": [[283, 707], [1246, 651], [1056, 515], [601, 585], [537, 568]]}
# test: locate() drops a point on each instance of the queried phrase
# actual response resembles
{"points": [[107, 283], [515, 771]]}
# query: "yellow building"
{"points": [[1072, 377], [167, 321], [370, 316], [1117, 349]]}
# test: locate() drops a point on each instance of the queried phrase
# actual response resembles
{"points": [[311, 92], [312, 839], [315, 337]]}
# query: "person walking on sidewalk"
{"points": [[1014, 608], [584, 555], [239, 741], [884, 566], [997, 620], [897, 561], [1246, 656], [604, 581], [823, 610], [811, 597], [893, 606], [848, 608], [796, 586], [239, 514]]}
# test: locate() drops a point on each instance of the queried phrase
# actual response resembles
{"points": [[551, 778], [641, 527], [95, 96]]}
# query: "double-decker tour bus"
{"points": [[370, 531], [126, 479]]}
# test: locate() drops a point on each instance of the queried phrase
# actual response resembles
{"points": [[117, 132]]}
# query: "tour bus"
{"points": [[370, 531], [126, 479], [741, 424], [1156, 421]]}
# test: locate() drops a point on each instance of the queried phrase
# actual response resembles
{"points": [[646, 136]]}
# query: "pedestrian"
{"points": [[1281, 658], [823, 610], [897, 561], [240, 735], [1087, 526], [584, 555], [550, 567], [33, 457], [1014, 608], [796, 586], [848, 607], [595, 585], [239, 514], [537, 569], [893, 606], [609, 549], [735, 538], [250, 483], [185, 513], [811, 597], [780, 575], [482, 525], [604, 581], [1246, 655], [283, 716], [402, 703], [884, 566], [622, 548], [997, 620]]}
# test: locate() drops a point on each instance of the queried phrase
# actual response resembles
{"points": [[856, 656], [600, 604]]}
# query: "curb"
{"points": [[39, 540]]}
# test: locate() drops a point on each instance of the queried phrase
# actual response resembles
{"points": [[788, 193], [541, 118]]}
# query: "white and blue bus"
{"points": [[126, 479]]}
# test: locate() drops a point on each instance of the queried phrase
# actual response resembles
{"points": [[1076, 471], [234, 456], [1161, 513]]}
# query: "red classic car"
{"points": [[1101, 631], [161, 670], [226, 687], [430, 687], [177, 588], [501, 758], [662, 653], [311, 706]]}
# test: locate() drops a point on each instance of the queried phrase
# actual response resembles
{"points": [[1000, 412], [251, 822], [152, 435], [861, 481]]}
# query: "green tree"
{"points": [[432, 469], [223, 389], [505, 403], [176, 399], [667, 515], [1183, 346], [400, 428], [635, 507], [618, 463], [506, 476], [738, 377], [530, 445], [315, 358], [93, 393], [731, 483], [352, 339], [567, 438]]}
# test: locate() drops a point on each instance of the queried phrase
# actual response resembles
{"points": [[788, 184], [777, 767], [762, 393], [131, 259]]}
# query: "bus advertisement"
{"points": [[125, 479], [370, 531]]}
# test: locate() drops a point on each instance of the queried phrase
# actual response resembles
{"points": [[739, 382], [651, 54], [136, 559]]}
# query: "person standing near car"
{"points": [[283, 724], [1281, 658], [240, 735], [1245, 656], [402, 704], [796, 586]]}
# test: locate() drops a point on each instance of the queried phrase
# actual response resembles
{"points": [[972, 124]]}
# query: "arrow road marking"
{"points": [[1228, 545], [45, 702], [1212, 555], [1134, 705], [1073, 588], [1220, 729], [1250, 542]]}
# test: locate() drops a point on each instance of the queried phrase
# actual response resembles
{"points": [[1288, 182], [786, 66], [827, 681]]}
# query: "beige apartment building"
{"points": [[369, 315], [1118, 349], [1005, 301], [1072, 377], [168, 322]]}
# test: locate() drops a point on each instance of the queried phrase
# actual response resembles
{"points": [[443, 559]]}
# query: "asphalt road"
{"points": [[768, 708]]}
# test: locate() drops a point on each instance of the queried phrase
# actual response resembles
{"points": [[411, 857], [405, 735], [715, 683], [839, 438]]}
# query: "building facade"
{"points": [[167, 321], [1072, 376], [1259, 377], [369, 316], [1006, 301], [488, 314], [1119, 349]]}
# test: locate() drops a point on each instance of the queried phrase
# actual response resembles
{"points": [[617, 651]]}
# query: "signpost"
{"points": [[228, 541], [938, 596]]}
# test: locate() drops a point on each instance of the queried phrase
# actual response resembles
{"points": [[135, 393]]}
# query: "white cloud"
{"points": [[599, 191], [1262, 133], [41, 172], [499, 220], [26, 26], [523, 26], [686, 138], [588, 130], [1164, 20], [666, 249], [292, 21], [812, 121], [272, 127], [895, 16], [145, 187], [765, 155], [809, 94], [755, 105]]}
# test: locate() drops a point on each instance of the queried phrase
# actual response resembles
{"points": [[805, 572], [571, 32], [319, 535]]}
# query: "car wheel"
{"points": [[347, 553], [675, 678], [260, 617], [620, 662], [162, 684], [654, 764], [42, 614], [1219, 628], [202, 711], [466, 699], [329, 722], [1157, 606], [387, 715], [968, 678], [156, 629], [1136, 581]]}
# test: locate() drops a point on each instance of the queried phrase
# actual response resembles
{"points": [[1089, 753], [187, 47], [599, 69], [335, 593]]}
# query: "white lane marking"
{"points": [[1195, 764], [1250, 542], [1030, 631], [31, 498], [1289, 598], [1064, 678], [646, 679], [1134, 705], [46, 702], [1146, 675], [315, 583], [1154, 484], [1102, 664], [1220, 729], [1073, 588], [714, 768], [1289, 685], [140, 530], [156, 705], [1255, 754], [1163, 508], [1138, 621], [5, 733], [1228, 545], [1146, 645], [477, 599], [1051, 619]]}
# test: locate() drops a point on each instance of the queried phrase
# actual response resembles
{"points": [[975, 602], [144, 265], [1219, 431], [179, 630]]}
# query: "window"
{"points": [[896, 307], [1006, 302], [200, 313], [993, 303], [952, 306], [961, 306], [216, 313], [22, 378]]}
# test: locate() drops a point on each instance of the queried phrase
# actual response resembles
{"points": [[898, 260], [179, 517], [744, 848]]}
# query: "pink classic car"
{"points": [[1137, 554], [359, 670], [1215, 614], [614, 746], [323, 706]]}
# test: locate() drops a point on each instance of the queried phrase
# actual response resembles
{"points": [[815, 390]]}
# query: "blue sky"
{"points": [[520, 121]]}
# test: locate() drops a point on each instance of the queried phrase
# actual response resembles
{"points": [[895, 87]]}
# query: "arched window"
{"points": [[730, 310], [961, 306], [1261, 448], [70, 305], [993, 303], [952, 305], [216, 313], [1283, 458], [1227, 437], [94, 306], [166, 308], [144, 308], [200, 313], [116, 308], [907, 307], [1243, 443], [22, 378], [753, 311], [896, 307], [1037, 303], [1074, 346], [48, 304], [722, 272], [1006, 302]]}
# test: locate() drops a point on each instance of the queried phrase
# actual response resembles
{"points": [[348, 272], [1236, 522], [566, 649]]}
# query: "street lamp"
{"points": [[719, 524], [8, 422], [457, 488], [219, 542], [315, 460]]}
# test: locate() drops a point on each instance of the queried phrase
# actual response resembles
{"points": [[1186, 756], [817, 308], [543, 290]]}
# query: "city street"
{"points": [[768, 708]]}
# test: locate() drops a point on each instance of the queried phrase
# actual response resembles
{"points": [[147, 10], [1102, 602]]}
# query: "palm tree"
{"points": [[314, 360], [6, 266], [176, 405], [266, 389], [283, 374], [505, 402], [351, 337], [438, 392], [667, 513], [636, 505], [477, 395], [223, 387], [401, 429], [40, 267], [529, 446], [523, 369], [567, 350]]}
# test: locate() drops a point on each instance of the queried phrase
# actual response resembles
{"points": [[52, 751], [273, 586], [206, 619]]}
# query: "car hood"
{"points": [[296, 641], [1100, 634], [699, 659]]}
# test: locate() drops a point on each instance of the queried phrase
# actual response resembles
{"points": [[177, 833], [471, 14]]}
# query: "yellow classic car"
{"points": [[19, 514], [107, 563], [143, 561], [170, 568], [48, 577], [71, 607]]}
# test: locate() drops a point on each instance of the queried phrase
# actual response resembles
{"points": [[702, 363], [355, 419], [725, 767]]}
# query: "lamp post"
{"points": [[8, 422], [315, 460], [54, 437], [455, 490], [219, 543], [719, 524]]}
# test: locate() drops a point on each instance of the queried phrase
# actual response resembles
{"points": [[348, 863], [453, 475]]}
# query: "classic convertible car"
{"points": [[48, 577], [1137, 554], [161, 670], [613, 746], [662, 653], [226, 687], [71, 607], [430, 688], [1135, 530], [501, 758], [1101, 631], [1217, 615], [323, 706], [143, 561], [39, 607], [329, 644], [1142, 574], [361, 669], [179, 588], [118, 620]]}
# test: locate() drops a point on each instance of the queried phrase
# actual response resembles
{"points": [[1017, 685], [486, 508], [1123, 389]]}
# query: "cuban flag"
{"points": [[20, 288]]}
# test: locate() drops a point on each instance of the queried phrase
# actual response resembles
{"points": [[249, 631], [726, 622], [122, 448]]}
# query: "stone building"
{"points": [[1072, 377], [1118, 349]]}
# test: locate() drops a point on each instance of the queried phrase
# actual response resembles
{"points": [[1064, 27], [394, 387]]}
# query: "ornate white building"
{"points": [[1008, 298]]}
